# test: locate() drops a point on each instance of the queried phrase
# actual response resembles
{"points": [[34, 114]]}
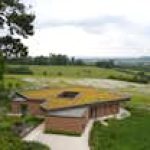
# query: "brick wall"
{"points": [[66, 123], [104, 109], [32, 106], [78, 124], [108, 109], [15, 107]]}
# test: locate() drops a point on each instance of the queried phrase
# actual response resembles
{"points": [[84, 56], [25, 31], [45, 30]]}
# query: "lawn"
{"points": [[9, 140], [140, 100], [131, 133]]}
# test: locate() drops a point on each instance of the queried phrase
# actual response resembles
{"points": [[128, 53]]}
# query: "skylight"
{"points": [[68, 94]]}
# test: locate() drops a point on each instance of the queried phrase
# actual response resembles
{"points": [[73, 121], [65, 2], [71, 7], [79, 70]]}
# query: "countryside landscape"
{"points": [[58, 100]]}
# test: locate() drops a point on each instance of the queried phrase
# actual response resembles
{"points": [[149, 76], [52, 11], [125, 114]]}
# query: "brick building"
{"points": [[67, 109]]}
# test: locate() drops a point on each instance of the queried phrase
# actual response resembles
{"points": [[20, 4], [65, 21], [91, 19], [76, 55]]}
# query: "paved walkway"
{"points": [[60, 142]]}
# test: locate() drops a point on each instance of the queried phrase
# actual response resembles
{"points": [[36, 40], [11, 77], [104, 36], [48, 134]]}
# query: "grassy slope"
{"points": [[61, 72], [128, 134], [140, 99], [75, 71]]}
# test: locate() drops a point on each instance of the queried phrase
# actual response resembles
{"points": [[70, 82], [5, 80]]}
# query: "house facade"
{"points": [[67, 109]]}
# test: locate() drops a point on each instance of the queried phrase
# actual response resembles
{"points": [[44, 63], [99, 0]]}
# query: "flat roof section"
{"points": [[73, 112]]}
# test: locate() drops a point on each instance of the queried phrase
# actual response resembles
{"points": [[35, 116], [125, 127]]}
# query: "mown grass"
{"points": [[131, 133], [67, 133], [140, 99]]}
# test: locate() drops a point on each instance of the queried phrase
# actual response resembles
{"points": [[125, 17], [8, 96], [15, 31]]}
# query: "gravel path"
{"points": [[60, 142]]}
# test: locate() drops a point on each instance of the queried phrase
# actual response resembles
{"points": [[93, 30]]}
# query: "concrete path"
{"points": [[61, 142]]}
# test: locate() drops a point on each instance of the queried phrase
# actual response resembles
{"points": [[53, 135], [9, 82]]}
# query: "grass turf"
{"points": [[131, 133], [67, 133]]}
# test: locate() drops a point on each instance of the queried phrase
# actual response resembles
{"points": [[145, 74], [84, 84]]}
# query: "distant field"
{"points": [[75, 71], [61, 72]]}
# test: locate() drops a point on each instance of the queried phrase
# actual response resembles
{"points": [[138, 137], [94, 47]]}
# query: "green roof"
{"points": [[86, 95]]}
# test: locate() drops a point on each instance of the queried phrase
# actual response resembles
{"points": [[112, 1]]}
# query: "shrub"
{"points": [[10, 85], [22, 70], [32, 120], [44, 73], [10, 140], [59, 73], [135, 78], [18, 85], [34, 146]]}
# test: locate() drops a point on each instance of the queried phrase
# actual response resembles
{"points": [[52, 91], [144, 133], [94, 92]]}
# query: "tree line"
{"points": [[52, 59]]}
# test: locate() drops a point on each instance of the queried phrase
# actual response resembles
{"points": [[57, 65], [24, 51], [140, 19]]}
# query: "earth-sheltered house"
{"points": [[68, 109]]}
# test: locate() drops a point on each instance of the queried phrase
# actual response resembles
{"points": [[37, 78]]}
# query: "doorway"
{"points": [[93, 112], [24, 109]]}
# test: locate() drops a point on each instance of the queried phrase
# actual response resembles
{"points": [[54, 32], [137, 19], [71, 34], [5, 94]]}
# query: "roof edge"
{"points": [[128, 98]]}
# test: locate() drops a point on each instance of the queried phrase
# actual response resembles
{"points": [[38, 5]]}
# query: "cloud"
{"points": [[100, 21], [85, 27]]}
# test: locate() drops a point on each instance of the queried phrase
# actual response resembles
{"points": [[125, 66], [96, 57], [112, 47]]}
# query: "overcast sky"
{"points": [[101, 28]]}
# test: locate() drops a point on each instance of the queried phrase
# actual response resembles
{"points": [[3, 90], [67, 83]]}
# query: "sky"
{"points": [[91, 28]]}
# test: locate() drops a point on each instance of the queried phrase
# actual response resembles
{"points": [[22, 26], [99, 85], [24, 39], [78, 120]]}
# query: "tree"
{"points": [[12, 47], [58, 59], [79, 62], [105, 64], [15, 21]]}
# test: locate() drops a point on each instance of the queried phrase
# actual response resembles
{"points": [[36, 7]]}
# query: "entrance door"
{"points": [[24, 109], [93, 112]]}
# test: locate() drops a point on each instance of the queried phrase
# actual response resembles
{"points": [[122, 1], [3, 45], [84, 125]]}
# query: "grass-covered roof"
{"points": [[87, 95]]}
